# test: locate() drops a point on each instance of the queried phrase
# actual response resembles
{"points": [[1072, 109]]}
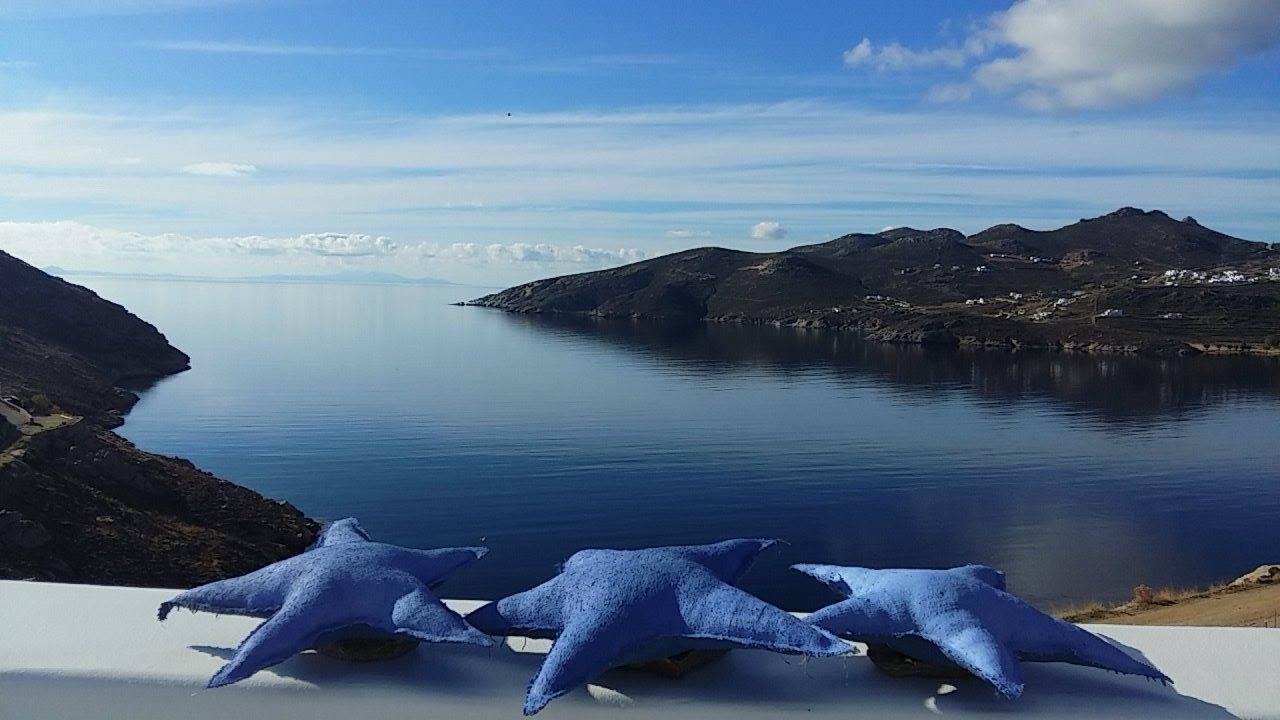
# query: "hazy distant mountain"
{"points": [[1005, 285], [372, 277]]}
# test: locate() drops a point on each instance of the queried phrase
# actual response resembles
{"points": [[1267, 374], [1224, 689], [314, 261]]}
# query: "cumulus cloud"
{"points": [[897, 57], [54, 242], [73, 237], [218, 169], [327, 244], [682, 234], [540, 253], [1070, 54], [767, 230]]}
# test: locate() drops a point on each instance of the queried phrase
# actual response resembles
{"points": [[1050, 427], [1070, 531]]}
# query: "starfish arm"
{"points": [[420, 614], [431, 566], [1073, 644], [584, 650], [841, 579], [341, 532], [260, 593], [732, 615], [290, 631], [728, 560], [974, 648], [858, 618], [538, 612], [982, 573]]}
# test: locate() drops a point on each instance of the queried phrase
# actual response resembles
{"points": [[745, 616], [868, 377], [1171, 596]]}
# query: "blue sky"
{"points": [[240, 138]]}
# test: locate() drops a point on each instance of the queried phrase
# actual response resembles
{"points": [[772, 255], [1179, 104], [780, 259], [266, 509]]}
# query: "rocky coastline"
{"points": [[79, 503], [1132, 281]]}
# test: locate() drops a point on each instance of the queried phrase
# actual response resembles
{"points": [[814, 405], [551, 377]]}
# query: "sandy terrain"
{"points": [[1256, 606], [1253, 600]]}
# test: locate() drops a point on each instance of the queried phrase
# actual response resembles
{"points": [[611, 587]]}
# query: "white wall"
{"points": [[77, 651]]}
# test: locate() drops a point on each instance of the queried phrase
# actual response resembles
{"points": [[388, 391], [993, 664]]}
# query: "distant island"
{"points": [[79, 503], [1129, 281]]}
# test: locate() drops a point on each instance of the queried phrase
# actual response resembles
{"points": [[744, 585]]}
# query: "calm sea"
{"points": [[436, 425]]}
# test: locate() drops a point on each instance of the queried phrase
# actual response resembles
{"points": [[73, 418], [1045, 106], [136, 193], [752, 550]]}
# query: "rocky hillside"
{"points": [[79, 503], [1130, 280]]}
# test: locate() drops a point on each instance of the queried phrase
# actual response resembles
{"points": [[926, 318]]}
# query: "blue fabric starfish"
{"points": [[614, 607], [961, 616], [343, 585]]}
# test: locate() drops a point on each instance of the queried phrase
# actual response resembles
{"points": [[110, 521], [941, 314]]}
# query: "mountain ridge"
{"points": [[1006, 285]]}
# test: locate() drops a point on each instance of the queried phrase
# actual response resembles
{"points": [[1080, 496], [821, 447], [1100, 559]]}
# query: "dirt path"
{"points": [[38, 424]]}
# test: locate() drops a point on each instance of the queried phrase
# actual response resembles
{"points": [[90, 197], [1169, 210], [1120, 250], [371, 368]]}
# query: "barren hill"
{"points": [[1130, 280]]}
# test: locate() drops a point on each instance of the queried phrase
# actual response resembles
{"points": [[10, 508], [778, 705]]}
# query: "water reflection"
{"points": [[438, 425], [1118, 388]]}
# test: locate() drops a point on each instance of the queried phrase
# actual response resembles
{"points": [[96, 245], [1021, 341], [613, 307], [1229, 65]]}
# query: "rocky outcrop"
{"points": [[79, 503], [63, 341], [82, 504], [74, 319], [8, 434]]}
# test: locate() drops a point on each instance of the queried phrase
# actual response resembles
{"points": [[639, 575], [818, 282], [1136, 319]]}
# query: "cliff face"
{"points": [[75, 318], [78, 503], [1005, 285]]}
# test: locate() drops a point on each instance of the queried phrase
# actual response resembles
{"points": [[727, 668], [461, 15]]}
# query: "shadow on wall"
{"points": [[744, 683]]}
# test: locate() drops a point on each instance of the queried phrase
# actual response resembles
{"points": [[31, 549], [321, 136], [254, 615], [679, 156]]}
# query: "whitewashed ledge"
{"points": [[77, 651]]}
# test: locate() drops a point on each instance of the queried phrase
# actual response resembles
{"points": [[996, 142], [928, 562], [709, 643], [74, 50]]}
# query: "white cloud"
{"points": [[1069, 54], [66, 242], [69, 237], [682, 234], [218, 169], [539, 253], [326, 244], [896, 57], [767, 230], [860, 53]]}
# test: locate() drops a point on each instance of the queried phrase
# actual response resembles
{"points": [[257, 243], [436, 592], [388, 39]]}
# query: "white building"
{"points": [[13, 413]]}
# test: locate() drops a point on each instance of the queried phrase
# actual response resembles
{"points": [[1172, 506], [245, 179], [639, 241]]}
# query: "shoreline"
{"points": [[81, 503], [1171, 348]]}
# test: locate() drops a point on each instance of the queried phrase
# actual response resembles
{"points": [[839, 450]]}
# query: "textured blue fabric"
{"points": [[961, 616], [343, 585], [612, 607]]}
